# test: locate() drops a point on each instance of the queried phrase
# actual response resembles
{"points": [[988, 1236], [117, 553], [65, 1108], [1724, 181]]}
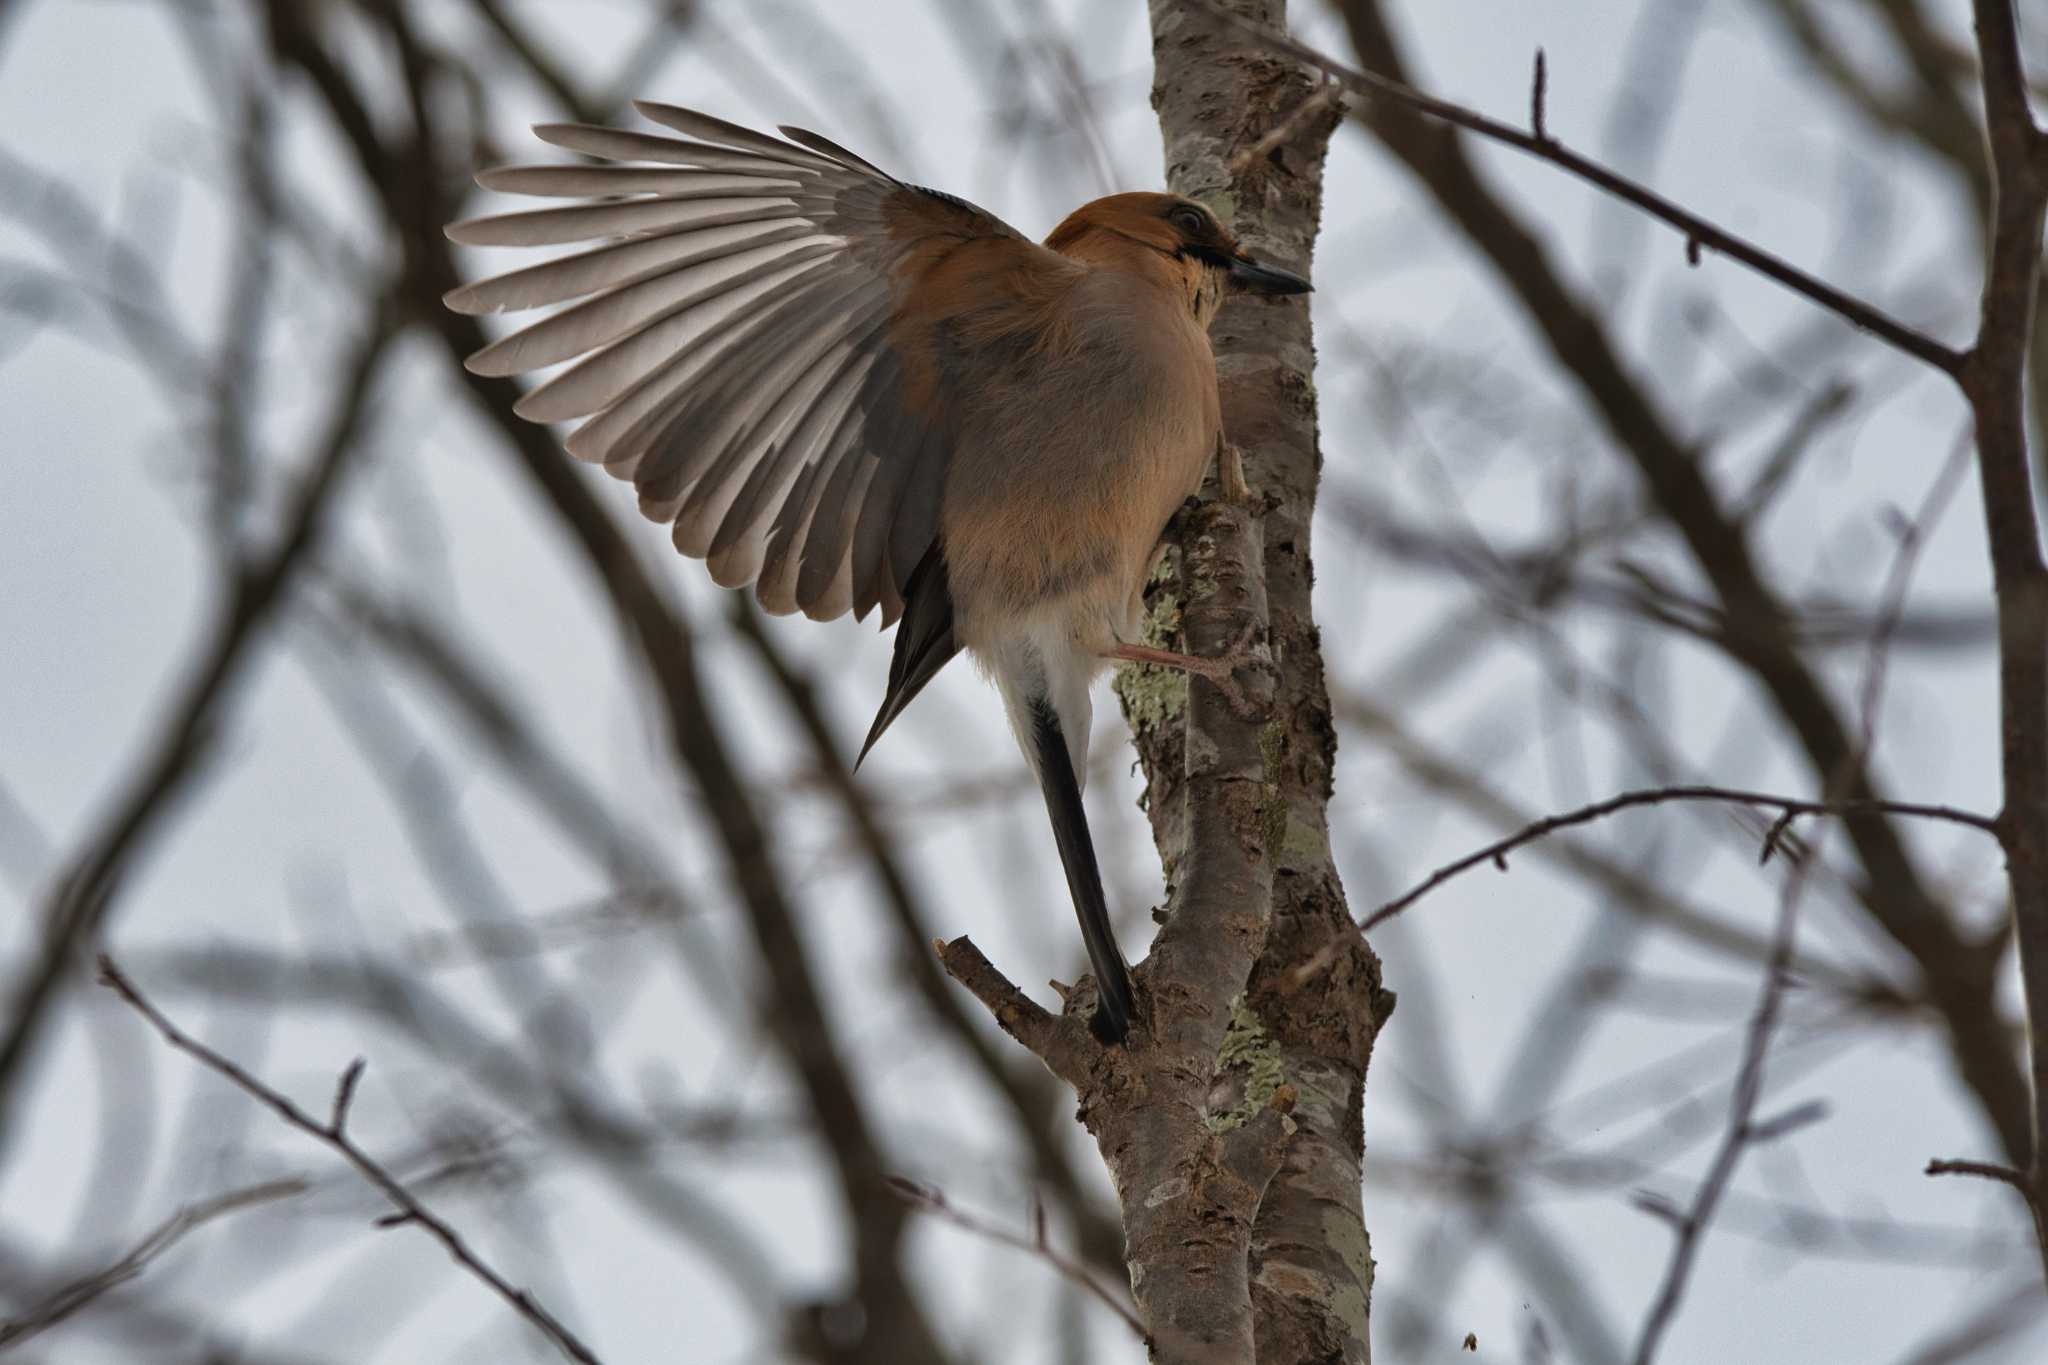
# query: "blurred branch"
{"points": [[1699, 232], [167, 1234], [1039, 1106], [557, 82], [469, 683], [930, 1199], [1960, 976], [617, 1144], [334, 1133], [417, 199], [1994, 379], [1789, 806], [1743, 1129], [2008, 1313], [1931, 110], [181, 747]]}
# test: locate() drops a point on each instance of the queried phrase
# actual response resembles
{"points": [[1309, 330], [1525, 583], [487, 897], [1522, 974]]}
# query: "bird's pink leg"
{"points": [[1218, 669]]}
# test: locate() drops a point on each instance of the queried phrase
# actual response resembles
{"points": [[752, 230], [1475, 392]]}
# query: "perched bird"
{"points": [[856, 394]]}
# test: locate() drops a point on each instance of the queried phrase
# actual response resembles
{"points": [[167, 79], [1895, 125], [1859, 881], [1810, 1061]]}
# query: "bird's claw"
{"points": [[1221, 669]]}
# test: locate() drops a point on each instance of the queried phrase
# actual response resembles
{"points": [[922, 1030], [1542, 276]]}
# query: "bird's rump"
{"points": [[741, 346]]}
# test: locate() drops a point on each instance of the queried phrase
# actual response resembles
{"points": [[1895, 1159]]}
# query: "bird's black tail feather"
{"points": [[924, 641], [1084, 880]]}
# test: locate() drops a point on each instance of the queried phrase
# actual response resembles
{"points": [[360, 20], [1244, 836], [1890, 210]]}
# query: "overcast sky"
{"points": [[295, 843]]}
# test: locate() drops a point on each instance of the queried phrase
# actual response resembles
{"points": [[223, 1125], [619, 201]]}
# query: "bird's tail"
{"points": [[1053, 759]]}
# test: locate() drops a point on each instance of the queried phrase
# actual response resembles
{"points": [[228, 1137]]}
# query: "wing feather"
{"points": [[576, 182], [765, 337]]}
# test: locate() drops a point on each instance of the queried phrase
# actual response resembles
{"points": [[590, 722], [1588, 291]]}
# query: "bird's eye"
{"points": [[1188, 220]]}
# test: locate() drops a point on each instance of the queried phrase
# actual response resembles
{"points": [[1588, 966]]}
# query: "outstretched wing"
{"points": [[764, 342]]}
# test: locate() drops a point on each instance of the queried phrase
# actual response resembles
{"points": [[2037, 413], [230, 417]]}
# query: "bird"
{"points": [[855, 394]]}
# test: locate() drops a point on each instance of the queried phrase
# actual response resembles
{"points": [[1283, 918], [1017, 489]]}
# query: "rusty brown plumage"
{"points": [[854, 394]]}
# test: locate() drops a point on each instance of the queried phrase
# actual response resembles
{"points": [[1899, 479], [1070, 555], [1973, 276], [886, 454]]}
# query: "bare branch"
{"points": [[1983, 1170], [85, 889], [83, 1291], [1020, 1016], [1756, 629], [1743, 1131], [1994, 379], [335, 1135], [1791, 806], [932, 1200], [1699, 232]]}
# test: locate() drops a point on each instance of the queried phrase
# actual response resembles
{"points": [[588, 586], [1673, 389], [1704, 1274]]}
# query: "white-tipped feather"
{"points": [[740, 380], [743, 433], [690, 123], [723, 346], [615, 264], [575, 182], [616, 144], [775, 588], [836, 597], [781, 583], [606, 317], [623, 430], [626, 217], [755, 513], [606, 375]]}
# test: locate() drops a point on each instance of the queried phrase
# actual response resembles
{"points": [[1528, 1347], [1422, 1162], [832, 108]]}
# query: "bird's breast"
{"points": [[1072, 458]]}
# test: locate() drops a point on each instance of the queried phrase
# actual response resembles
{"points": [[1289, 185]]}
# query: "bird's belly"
{"points": [[1053, 508], [1059, 532]]}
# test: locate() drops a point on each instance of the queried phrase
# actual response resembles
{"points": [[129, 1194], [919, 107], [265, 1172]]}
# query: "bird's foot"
{"points": [[1220, 669]]}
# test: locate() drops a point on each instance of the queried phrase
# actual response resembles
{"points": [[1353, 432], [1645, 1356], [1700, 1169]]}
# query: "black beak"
{"points": [[1247, 276]]}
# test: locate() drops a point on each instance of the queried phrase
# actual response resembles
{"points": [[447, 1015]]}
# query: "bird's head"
{"points": [[1174, 235]]}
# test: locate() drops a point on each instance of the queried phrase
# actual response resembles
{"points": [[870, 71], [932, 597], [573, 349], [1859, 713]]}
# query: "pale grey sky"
{"points": [[294, 844]]}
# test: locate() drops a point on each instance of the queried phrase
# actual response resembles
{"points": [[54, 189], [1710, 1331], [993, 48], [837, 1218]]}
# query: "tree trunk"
{"points": [[1309, 1264], [1230, 1119]]}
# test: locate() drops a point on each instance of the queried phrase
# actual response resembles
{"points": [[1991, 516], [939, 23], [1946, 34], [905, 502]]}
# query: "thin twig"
{"points": [[335, 1134], [249, 598], [1742, 1130], [1756, 629], [1497, 851], [82, 1291], [1699, 232], [930, 1199], [1289, 128], [1984, 1170]]}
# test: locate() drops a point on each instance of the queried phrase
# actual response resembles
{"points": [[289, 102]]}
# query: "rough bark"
{"points": [[1217, 93], [1231, 1120], [1310, 1269]]}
